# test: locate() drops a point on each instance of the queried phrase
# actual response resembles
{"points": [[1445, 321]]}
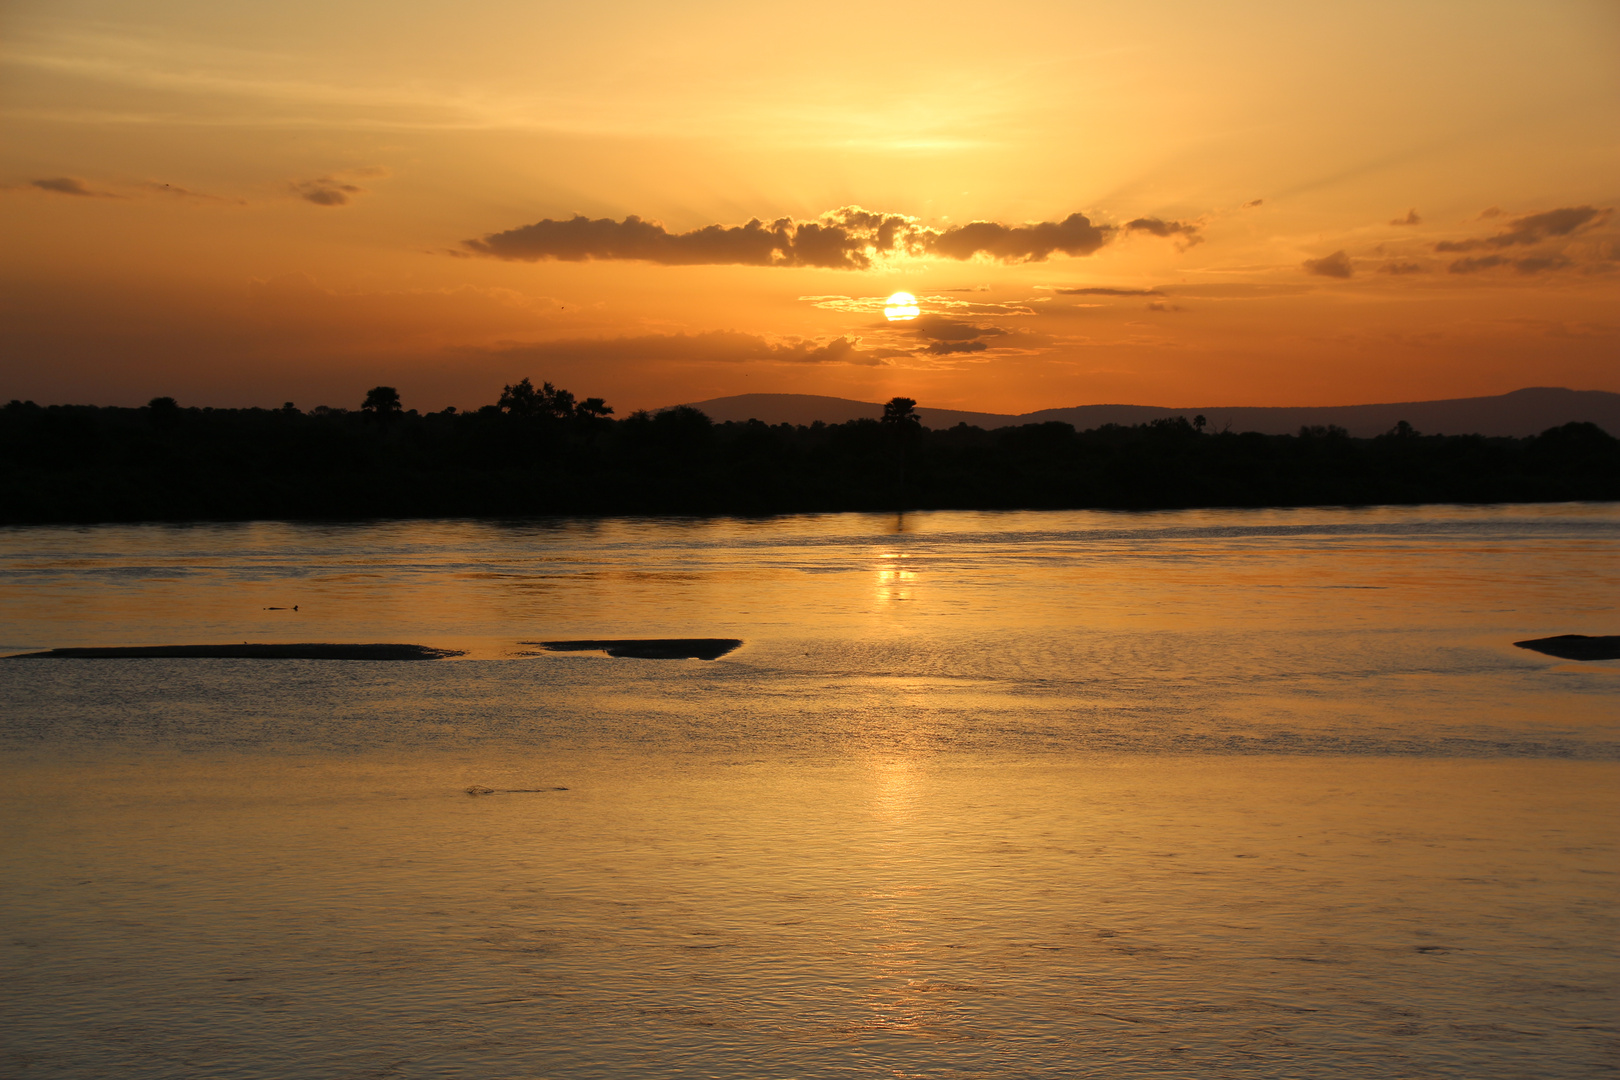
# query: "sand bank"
{"points": [[301, 651], [648, 648], [1576, 646]]}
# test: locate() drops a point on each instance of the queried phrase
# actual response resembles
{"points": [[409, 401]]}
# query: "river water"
{"points": [[1199, 793]]}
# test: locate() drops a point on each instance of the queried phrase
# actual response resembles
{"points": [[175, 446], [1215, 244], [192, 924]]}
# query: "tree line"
{"points": [[540, 450]]}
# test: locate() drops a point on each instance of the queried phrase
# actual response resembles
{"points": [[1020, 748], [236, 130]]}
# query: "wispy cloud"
{"points": [[327, 190], [70, 185], [1532, 229], [1531, 264], [716, 347], [1103, 290]]}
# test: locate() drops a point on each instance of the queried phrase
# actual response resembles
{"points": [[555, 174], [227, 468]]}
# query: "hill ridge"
{"points": [[1518, 413]]}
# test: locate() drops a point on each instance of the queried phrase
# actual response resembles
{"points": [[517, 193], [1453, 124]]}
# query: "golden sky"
{"points": [[1171, 203]]}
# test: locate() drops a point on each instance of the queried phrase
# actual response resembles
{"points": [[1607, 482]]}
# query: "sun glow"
{"points": [[901, 307]]}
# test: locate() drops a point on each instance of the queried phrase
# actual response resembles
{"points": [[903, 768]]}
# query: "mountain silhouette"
{"points": [[1517, 414]]}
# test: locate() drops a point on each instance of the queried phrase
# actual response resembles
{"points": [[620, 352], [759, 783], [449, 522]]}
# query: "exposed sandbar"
{"points": [[302, 651], [702, 648], [1576, 646]]}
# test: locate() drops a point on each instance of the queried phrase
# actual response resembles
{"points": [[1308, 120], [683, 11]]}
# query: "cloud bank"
{"points": [[849, 238], [1531, 229]]}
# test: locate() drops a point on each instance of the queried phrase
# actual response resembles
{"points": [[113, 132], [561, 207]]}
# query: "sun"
{"points": [[901, 307]]}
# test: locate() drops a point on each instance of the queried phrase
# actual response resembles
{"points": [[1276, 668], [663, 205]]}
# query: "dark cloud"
{"points": [[1252, 203], [1334, 265], [326, 191], [1531, 264], [1474, 266], [949, 348], [1074, 235], [1100, 290], [1402, 268], [1187, 230], [1535, 264], [945, 328], [1411, 218], [68, 185], [1531, 229], [849, 238], [1161, 305]]}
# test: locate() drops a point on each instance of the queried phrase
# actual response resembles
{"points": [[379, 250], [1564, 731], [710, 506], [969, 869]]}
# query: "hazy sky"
{"points": [[1162, 203]]}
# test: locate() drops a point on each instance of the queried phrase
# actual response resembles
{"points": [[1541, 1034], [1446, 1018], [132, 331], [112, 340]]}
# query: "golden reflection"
{"points": [[897, 908], [894, 581]]}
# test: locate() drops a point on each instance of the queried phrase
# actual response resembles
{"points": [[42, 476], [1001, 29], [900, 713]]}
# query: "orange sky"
{"points": [[1281, 204]]}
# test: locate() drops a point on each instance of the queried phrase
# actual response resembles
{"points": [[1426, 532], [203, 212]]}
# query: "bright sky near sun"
{"points": [[1160, 203]]}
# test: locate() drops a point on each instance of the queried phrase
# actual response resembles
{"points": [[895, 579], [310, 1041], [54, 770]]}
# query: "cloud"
{"points": [[1101, 290], [179, 192], [1252, 203], [1402, 268], [1334, 265], [948, 348], [1161, 305], [1411, 218], [849, 238], [715, 346], [1535, 264], [68, 185], [945, 328], [1074, 235], [1532, 229], [1187, 230], [326, 191], [1531, 264]]}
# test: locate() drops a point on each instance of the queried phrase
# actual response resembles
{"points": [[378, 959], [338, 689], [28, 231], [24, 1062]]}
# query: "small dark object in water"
{"points": [[477, 789], [700, 648], [1576, 646], [244, 651]]}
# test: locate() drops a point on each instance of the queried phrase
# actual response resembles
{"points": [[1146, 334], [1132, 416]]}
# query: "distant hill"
{"points": [[1520, 413]]}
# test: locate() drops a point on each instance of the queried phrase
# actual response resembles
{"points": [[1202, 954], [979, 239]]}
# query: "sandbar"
{"points": [[1576, 646], [300, 651], [648, 648]]}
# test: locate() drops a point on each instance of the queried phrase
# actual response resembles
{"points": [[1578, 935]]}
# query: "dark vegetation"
{"points": [[540, 451]]}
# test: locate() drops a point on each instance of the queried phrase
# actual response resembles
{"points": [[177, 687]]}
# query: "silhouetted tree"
{"points": [[520, 399], [165, 412], [382, 401], [901, 413], [523, 399]]}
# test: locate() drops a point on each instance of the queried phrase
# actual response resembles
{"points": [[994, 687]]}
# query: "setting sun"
{"points": [[901, 307]]}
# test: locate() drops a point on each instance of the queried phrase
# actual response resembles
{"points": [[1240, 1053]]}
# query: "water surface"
{"points": [[1238, 793]]}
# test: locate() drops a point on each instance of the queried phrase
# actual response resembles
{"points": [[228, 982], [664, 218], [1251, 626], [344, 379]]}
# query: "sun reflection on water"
{"points": [[894, 580]]}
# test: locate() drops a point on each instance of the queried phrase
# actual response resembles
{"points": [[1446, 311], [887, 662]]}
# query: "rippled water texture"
{"points": [[1247, 794]]}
